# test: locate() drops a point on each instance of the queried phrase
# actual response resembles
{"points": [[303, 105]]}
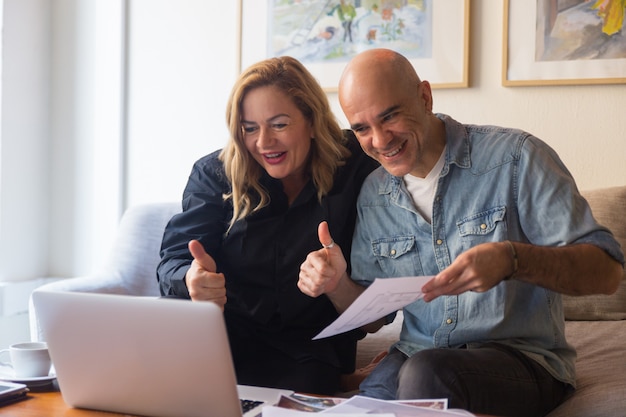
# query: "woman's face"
{"points": [[276, 133]]}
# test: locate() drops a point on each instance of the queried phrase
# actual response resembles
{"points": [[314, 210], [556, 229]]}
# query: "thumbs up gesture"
{"points": [[202, 279], [323, 269]]}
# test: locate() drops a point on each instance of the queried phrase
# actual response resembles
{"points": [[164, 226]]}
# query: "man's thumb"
{"points": [[199, 254]]}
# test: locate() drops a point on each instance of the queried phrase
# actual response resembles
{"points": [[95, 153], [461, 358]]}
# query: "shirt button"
{"points": [[439, 241], [393, 252], [449, 321], [483, 226]]}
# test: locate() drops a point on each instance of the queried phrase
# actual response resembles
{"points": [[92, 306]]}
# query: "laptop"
{"points": [[144, 356]]}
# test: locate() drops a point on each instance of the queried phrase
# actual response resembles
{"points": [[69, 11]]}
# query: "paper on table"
{"points": [[359, 405], [272, 411], [382, 297]]}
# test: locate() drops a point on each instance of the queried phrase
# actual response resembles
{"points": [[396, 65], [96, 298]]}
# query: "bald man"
{"points": [[495, 217]]}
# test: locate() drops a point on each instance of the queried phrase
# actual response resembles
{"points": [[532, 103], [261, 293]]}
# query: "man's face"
{"points": [[391, 123]]}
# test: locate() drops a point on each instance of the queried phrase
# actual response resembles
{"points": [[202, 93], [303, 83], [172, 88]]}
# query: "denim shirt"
{"points": [[496, 184]]}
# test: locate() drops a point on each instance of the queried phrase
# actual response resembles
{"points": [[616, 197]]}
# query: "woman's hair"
{"points": [[328, 150]]}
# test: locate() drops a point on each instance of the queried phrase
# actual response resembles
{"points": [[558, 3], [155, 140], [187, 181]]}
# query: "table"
{"points": [[48, 401]]}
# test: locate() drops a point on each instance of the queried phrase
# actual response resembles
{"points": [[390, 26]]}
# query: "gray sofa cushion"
{"points": [[600, 369]]}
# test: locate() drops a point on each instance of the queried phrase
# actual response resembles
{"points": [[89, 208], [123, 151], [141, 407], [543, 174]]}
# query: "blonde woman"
{"points": [[250, 217]]}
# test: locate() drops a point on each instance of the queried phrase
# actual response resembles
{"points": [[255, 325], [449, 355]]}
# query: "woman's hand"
{"points": [[323, 269], [203, 281]]}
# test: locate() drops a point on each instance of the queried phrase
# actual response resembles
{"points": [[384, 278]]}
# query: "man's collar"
{"points": [[458, 145]]}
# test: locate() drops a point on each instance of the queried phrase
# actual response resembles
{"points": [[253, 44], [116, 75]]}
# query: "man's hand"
{"points": [[570, 269], [478, 269], [323, 269], [203, 281]]}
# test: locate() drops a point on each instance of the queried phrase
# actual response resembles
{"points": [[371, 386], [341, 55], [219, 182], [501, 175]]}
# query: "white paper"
{"points": [[272, 411], [300, 405], [382, 297], [359, 405]]}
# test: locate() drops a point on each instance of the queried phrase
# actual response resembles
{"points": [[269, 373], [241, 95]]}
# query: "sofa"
{"points": [[595, 325]]}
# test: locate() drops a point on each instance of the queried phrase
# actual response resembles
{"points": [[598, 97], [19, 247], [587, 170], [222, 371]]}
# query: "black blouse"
{"points": [[261, 255]]}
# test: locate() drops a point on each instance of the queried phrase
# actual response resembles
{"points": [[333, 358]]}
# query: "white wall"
{"points": [[182, 65], [63, 180]]}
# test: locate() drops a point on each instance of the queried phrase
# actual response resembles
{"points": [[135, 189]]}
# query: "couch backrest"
{"points": [[609, 208], [141, 232], [135, 253]]}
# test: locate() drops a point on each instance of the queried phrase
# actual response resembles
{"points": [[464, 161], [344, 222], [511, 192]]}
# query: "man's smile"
{"points": [[395, 151]]}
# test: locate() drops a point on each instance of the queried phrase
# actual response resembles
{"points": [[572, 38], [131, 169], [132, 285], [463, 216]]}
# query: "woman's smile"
{"points": [[274, 157]]}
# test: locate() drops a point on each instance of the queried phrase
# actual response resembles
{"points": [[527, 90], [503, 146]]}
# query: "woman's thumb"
{"points": [[323, 234], [199, 254]]}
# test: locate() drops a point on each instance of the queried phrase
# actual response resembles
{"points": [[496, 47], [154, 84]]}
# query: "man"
{"points": [[495, 216]]}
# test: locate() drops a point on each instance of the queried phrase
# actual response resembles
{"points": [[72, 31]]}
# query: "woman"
{"points": [[250, 217]]}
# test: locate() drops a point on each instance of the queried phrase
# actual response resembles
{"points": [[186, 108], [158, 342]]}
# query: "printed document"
{"points": [[382, 297]]}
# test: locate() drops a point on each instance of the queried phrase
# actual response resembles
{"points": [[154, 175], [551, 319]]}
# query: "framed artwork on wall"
{"points": [[325, 34], [564, 42]]}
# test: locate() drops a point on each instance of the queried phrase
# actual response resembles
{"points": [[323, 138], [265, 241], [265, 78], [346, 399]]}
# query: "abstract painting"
{"points": [[564, 42], [325, 34], [334, 31]]}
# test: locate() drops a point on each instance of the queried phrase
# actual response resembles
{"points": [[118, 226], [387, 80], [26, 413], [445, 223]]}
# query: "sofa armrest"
{"points": [[95, 283], [130, 268]]}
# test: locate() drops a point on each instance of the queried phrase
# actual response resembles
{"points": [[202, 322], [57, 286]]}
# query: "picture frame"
{"points": [[560, 42], [432, 34]]}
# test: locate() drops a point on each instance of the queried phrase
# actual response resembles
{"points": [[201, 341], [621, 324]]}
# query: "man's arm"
{"points": [[574, 270], [579, 269]]}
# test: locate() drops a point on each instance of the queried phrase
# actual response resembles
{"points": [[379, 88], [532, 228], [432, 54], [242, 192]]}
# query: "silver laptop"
{"points": [[144, 356]]}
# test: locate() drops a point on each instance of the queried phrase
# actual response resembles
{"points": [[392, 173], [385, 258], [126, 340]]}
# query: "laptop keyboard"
{"points": [[247, 405]]}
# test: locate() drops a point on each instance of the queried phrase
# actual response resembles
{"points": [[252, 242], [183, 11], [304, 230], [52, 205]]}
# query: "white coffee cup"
{"points": [[28, 359]]}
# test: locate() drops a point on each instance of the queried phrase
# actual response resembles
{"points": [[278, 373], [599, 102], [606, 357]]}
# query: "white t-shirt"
{"points": [[423, 190]]}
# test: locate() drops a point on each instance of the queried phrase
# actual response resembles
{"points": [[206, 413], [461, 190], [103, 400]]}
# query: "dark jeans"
{"points": [[492, 379]]}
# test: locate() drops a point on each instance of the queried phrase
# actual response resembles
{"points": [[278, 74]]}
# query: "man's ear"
{"points": [[427, 95]]}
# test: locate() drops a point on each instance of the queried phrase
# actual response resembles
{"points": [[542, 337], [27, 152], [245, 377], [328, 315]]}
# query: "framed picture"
{"points": [[564, 42], [325, 34]]}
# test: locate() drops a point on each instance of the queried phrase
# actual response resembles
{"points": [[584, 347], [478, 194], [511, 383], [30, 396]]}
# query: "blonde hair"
{"points": [[328, 149]]}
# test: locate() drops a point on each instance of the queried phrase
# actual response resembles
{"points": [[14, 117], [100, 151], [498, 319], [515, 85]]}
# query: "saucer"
{"points": [[36, 381]]}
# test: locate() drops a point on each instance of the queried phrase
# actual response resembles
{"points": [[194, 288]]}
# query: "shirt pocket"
{"points": [[485, 226], [397, 256]]}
